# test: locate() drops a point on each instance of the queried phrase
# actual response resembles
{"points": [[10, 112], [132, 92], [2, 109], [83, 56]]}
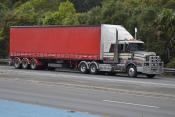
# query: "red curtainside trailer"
{"points": [[55, 46], [75, 43]]}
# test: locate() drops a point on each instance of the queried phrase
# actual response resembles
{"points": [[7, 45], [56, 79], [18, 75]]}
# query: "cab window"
{"points": [[121, 48], [135, 47], [112, 48]]}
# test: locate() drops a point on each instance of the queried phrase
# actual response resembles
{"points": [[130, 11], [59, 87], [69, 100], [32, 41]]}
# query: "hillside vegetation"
{"points": [[155, 19]]}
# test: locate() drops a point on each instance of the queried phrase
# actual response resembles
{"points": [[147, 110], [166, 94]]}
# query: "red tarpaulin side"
{"points": [[56, 42]]}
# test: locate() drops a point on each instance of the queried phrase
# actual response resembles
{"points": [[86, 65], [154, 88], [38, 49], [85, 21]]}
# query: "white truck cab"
{"points": [[126, 54]]}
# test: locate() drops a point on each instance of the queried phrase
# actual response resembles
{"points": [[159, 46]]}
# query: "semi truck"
{"points": [[89, 49]]}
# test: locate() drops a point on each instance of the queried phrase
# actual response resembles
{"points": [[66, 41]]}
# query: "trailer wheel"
{"points": [[25, 63], [17, 63], [93, 68], [83, 68], [150, 75], [11, 62], [131, 70], [33, 64]]}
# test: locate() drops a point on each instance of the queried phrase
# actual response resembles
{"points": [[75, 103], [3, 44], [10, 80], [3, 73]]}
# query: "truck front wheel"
{"points": [[131, 70], [150, 75]]}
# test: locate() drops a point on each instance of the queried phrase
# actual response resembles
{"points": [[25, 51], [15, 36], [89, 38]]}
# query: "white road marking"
{"points": [[133, 104]]}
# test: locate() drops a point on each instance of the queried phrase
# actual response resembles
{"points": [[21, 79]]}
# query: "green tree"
{"points": [[92, 17], [31, 12], [66, 15], [3, 34], [85, 5], [166, 24], [113, 12], [3, 11], [166, 21], [25, 14]]}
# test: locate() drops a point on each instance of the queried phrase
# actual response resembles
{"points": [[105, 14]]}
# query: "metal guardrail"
{"points": [[169, 70], [4, 61]]}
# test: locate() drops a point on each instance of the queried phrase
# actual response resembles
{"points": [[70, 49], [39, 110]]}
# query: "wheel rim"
{"points": [[17, 63], [33, 65], [93, 69], [83, 68], [25, 64], [131, 72]]}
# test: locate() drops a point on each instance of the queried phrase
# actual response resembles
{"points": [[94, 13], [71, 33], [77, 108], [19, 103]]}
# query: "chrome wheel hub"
{"points": [[93, 69], [131, 72], [83, 68]]}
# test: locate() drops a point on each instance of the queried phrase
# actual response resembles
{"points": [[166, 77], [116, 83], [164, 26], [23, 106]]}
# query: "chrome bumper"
{"points": [[153, 66]]}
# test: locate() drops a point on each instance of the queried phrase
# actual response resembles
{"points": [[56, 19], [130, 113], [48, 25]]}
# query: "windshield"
{"points": [[135, 47]]}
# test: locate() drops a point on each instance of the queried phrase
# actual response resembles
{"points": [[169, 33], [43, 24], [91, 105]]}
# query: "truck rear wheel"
{"points": [[83, 68], [150, 75], [25, 63], [17, 63], [132, 71], [93, 68]]}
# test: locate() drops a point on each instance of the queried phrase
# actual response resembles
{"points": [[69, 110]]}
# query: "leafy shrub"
{"points": [[171, 64]]}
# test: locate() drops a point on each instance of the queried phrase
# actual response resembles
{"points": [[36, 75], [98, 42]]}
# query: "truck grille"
{"points": [[153, 65]]}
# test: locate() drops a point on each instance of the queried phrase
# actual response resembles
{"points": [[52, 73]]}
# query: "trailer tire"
{"points": [[17, 63], [132, 71], [150, 75], [33, 64], [93, 68], [25, 63], [83, 67]]}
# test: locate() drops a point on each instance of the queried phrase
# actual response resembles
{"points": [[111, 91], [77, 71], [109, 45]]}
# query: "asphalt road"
{"points": [[108, 96]]}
